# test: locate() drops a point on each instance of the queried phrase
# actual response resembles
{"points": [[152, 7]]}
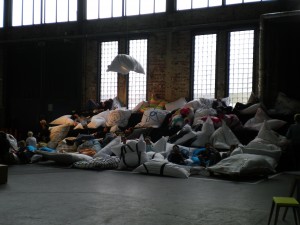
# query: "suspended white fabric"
{"points": [[123, 64]]}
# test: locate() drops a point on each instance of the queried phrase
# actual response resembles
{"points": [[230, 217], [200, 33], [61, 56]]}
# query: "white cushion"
{"points": [[118, 117], [96, 122], [208, 102], [179, 103], [256, 122], [195, 104], [163, 168], [66, 119], [223, 137], [12, 141], [275, 154], [153, 118], [189, 135], [245, 165], [200, 113], [132, 154], [286, 105], [252, 109], [203, 136], [160, 145], [64, 158], [155, 156], [123, 64], [103, 114], [116, 103], [268, 135], [259, 117], [78, 127], [273, 124], [226, 101], [259, 143], [106, 150], [57, 133]]}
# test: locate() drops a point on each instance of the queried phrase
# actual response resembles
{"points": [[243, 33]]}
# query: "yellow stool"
{"points": [[285, 202]]}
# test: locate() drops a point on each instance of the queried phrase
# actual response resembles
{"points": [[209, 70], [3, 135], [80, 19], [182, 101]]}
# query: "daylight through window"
{"points": [[1, 12], [204, 66], [241, 65], [137, 81], [29, 12], [108, 80], [197, 4]]}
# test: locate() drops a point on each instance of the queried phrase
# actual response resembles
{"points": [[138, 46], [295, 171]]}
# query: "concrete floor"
{"points": [[38, 194]]}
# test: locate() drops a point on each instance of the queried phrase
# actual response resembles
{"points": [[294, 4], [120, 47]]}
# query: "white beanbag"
{"points": [[163, 168], [123, 64]]}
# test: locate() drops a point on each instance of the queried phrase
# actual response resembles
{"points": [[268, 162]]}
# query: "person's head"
{"points": [[22, 144], [43, 122], [75, 116], [30, 133], [208, 145], [108, 104], [297, 118], [148, 140], [176, 149]]}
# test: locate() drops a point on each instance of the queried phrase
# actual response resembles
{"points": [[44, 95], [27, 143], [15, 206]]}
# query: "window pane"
{"points": [[72, 10], [108, 80], [200, 4], [1, 12], [215, 2], [105, 8], [17, 13], [62, 10], [246, 1], [241, 65], [27, 12], [147, 6], [229, 2], [132, 7], [137, 81], [183, 4], [160, 6], [204, 66], [117, 8], [37, 12], [50, 11], [92, 9]]}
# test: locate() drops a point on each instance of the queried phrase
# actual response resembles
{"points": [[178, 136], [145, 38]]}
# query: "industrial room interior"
{"points": [[48, 69]]}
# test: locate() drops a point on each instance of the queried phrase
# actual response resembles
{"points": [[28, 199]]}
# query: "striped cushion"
{"points": [[98, 163]]}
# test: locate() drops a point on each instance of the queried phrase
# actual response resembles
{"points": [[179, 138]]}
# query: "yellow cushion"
{"points": [[153, 103]]}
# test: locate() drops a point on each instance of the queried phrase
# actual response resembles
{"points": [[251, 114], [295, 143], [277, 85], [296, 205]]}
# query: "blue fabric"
{"points": [[46, 149], [31, 148], [185, 153], [195, 154]]}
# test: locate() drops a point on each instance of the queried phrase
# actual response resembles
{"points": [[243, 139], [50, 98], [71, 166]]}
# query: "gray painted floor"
{"points": [[50, 195]]}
